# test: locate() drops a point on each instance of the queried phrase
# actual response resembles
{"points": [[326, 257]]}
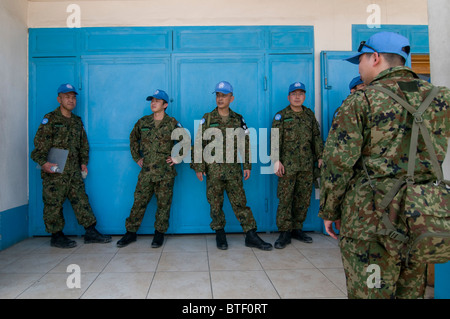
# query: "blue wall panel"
{"points": [[117, 68]]}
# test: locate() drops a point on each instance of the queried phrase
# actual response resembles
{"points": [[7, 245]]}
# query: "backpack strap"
{"points": [[418, 125]]}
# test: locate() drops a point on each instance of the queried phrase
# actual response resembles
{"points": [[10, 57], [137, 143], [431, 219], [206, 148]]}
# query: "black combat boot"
{"points": [[283, 239], [61, 241], [158, 239], [253, 240], [221, 239], [127, 239], [93, 236], [301, 235]]}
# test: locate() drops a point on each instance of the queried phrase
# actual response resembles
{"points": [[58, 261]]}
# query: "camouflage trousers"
{"points": [[56, 188], [145, 188], [294, 196], [215, 189], [395, 279]]}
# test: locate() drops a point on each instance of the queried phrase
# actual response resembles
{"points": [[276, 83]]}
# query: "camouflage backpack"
{"points": [[422, 229]]}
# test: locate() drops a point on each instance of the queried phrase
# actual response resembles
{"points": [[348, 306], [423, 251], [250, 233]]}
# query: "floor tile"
{"points": [[133, 262], [233, 260], [242, 285], [119, 286], [303, 283], [177, 243], [12, 285], [287, 258], [183, 261], [337, 277], [323, 257], [34, 263], [180, 285], [87, 262], [54, 286], [185, 267]]}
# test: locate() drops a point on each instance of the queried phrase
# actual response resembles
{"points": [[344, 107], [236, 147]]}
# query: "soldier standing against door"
{"points": [[64, 130], [300, 145], [151, 147], [225, 174]]}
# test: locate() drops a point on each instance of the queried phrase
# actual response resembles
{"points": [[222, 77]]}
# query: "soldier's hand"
{"points": [[329, 227], [47, 167], [200, 175], [246, 174], [319, 163], [279, 169], [170, 160]]}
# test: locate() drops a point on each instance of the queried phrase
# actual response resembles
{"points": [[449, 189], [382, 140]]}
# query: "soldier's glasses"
{"points": [[363, 44]]}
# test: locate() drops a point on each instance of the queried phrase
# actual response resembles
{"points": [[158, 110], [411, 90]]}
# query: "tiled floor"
{"points": [[187, 266]]}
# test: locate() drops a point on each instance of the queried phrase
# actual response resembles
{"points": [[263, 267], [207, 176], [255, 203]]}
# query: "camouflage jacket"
{"points": [[300, 144], [154, 144], [372, 127], [228, 165], [61, 132]]}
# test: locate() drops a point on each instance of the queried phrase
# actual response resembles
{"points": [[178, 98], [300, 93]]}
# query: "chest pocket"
{"points": [[164, 141], [290, 129], [60, 135]]}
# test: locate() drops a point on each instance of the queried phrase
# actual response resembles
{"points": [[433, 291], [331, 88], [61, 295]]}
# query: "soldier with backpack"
{"points": [[382, 184]]}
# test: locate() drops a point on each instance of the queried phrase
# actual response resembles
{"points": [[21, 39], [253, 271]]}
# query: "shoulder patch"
{"points": [[278, 117], [44, 121], [202, 121]]}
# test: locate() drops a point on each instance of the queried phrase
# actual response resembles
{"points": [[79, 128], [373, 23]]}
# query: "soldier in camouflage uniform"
{"points": [[64, 130], [373, 128], [151, 147], [225, 174], [299, 145]]}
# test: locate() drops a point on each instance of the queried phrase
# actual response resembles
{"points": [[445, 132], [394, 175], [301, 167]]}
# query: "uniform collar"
{"points": [[289, 110], [396, 72], [215, 113]]}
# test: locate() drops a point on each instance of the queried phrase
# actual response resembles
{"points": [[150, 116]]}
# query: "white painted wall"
{"points": [[439, 29], [13, 104]]}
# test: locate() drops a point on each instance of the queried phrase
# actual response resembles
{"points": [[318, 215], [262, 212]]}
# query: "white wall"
{"points": [[439, 28], [13, 104]]}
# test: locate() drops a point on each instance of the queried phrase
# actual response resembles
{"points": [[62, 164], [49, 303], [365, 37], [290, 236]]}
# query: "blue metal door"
{"points": [[117, 68], [336, 74], [46, 74], [115, 90], [283, 70], [196, 77]]}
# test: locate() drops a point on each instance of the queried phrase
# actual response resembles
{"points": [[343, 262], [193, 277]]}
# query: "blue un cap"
{"points": [[383, 42], [356, 81], [223, 87], [297, 86], [65, 88], [159, 94]]}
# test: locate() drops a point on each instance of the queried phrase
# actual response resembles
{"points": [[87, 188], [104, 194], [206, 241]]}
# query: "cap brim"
{"points": [[354, 59], [69, 92], [222, 91]]}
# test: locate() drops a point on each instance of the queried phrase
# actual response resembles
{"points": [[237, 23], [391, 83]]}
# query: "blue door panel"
{"points": [[284, 70], [336, 74], [117, 88], [46, 74], [195, 81]]}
